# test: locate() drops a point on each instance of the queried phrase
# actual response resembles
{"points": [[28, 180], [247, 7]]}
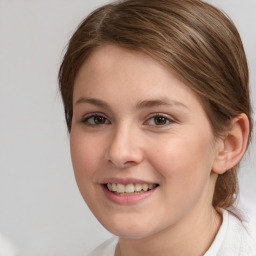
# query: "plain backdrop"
{"points": [[41, 209]]}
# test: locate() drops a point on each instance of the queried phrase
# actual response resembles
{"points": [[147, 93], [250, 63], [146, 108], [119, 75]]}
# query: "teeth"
{"points": [[145, 187], [109, 187], [120, 188], [129, 188], [114, 188], [138, 187]]}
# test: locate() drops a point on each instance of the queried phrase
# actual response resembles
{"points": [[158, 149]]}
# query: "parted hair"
{"points": [[196, 41]]}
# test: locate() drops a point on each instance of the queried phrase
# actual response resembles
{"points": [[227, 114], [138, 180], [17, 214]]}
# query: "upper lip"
{"points": [[125, 181]]}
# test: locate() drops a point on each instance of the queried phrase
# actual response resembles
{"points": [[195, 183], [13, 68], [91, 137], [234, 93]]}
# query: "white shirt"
{"points": [[234, 238]]}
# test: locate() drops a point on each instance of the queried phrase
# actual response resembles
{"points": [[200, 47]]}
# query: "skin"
{"points": [[178, 154]]}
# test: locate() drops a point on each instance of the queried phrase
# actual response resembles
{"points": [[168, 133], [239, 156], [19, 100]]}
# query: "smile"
{"points": [[130, 189]]}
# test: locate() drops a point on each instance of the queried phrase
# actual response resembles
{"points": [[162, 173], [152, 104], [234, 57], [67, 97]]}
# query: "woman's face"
{"points": [[139, 131]]}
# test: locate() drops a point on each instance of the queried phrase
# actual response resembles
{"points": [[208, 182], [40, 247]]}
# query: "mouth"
{"points": [[130, 189]]}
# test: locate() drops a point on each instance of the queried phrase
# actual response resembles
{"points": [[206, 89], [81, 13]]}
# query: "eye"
{"points": [[160, 120], [95, 119]]}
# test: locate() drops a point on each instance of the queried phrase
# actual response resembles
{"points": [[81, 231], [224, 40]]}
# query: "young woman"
{"points": [[157, 105]]}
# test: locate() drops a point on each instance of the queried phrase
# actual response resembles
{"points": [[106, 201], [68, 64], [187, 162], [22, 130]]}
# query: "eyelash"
{"points": [[93, 116], [164, 118], [86, 119]]}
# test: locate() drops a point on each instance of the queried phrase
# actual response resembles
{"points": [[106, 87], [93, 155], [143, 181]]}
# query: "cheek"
{"points": [[85, 160], [183, 159], [185, 166], [84, 157]]}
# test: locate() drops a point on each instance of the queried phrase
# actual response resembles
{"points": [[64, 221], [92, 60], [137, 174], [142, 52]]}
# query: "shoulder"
{"points": [[248, 223], [240, 235], [105, 249], [237, 234], [248, 213]]}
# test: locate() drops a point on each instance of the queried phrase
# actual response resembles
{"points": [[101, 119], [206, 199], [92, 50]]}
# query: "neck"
{"points": [[192, 236]]}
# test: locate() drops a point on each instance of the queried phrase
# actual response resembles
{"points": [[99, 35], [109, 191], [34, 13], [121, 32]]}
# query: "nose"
{"points": [[124, 148]]}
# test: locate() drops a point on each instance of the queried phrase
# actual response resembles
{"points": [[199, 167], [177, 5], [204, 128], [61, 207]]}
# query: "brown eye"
{"points": [[99, 120], [95, 120], [160, 120]]}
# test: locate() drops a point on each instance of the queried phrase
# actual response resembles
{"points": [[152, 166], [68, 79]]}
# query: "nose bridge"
{"points": [[124, 149]]}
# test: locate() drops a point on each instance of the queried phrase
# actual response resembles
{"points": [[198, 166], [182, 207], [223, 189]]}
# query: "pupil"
{"points": [[160, 120], [99, 120]]}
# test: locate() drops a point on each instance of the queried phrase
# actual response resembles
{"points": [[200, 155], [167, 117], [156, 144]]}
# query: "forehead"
{"points": [[124, 73], [111, 56]]}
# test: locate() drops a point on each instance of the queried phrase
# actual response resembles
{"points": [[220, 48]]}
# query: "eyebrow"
{"points": [[140, 105], [93, 101], [159, 102]]}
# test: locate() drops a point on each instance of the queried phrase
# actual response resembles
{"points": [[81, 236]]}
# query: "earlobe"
{"points": [[233, 146]]}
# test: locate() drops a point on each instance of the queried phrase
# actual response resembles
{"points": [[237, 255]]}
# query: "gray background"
{"points": [[41, 209]]}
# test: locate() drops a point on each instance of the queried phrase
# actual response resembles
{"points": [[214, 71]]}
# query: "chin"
{"points": [[131, 234], [129, 229]]}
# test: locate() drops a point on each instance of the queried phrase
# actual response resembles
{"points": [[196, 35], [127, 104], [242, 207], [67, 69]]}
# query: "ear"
{"points": [[233, 146]]}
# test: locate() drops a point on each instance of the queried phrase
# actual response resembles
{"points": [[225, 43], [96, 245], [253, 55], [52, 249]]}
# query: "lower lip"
{"points": [[127, 199]]}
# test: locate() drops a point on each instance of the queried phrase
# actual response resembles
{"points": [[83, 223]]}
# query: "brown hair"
{"points": [[192, 38]]}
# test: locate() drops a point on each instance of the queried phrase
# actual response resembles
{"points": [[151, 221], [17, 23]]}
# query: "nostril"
{"points": [[122, 164]]}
